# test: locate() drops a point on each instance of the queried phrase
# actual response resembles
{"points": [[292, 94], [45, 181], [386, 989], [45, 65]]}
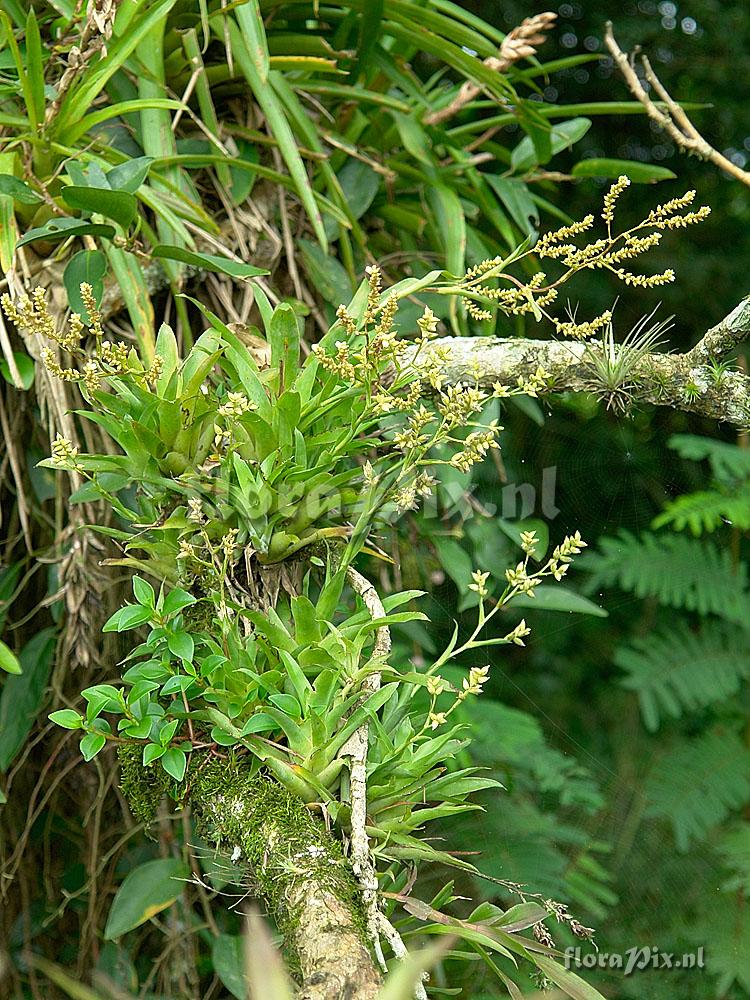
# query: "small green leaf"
{"points": [[174, 762], [167, 350], [146, 891], [100, 698], [285, 342], [25, 366], [152, 752], [208, 262], [176, 600], [131, 616], [177, 684], [141, 687], [88, 266], [223, 738], [91, 744], [556, 598], [144, 592], [66, 718], [130, 175], [167, 732], [119, 206], [639, 173], [63, 229], [181, 644], [260, 722], [8, 660], [18, 190], [288, 704], [112, 623], [138, 731]]}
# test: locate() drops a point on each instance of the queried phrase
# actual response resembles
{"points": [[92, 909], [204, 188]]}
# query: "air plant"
{"points": [[612, 368]]}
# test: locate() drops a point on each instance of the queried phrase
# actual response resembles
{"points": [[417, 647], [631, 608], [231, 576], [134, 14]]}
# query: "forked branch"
{"points": [[669, 115]]}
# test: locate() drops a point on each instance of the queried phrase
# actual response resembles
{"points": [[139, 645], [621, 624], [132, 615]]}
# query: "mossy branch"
{"points": [[295, 867], [695, 382]]}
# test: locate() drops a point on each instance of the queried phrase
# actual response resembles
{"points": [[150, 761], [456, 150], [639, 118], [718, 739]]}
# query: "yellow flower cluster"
{"points": [[581, 331], [65, 454], [610, 198], [456, 403], [235, 405], [610, 252], [32, 314], [476, 446]]}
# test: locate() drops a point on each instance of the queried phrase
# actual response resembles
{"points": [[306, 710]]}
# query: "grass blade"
{"points": [[135, 294], [23, 79], [80, 98], [35, 68], [251, 24], [280, 129]]}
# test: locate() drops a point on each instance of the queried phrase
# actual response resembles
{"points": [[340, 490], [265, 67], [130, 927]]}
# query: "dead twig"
{"points": [[520, 43], [355, 749], [669, 116]]}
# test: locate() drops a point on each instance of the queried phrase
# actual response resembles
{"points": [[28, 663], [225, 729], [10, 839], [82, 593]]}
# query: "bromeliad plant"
{"points": [[246, 481], [246, 486]]}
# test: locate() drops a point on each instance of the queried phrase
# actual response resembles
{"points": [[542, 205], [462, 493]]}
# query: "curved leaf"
{"points": [[639, 173], [146, 891]]}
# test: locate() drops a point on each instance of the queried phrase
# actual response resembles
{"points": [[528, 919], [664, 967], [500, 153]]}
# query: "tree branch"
{"points": [[693, 382], [671, 117], [297, 868]]}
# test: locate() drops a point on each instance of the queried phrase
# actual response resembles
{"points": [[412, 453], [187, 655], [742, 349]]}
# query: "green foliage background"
{"points": [[622, 741]]}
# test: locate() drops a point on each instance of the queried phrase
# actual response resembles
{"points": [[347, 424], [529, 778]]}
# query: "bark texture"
{"points": [[298, 869], [694, 382]]}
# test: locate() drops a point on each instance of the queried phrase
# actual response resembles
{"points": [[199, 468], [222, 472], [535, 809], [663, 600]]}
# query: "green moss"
{"points": [[252, 818], [200, 617], [278, 838], [143, 787]]}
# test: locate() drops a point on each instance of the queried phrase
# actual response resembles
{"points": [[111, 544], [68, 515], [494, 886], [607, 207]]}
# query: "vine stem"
{"points": [[355, 749]]}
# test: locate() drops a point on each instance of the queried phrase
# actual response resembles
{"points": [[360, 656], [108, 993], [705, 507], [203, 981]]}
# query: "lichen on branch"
{"points": [[698, 381]]}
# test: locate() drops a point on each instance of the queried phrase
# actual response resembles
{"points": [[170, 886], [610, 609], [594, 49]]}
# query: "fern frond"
{"points": [[680, 572], [679, 670], [734, 849], [699, 783], [723, 930], [729, 463], [706, 511]]}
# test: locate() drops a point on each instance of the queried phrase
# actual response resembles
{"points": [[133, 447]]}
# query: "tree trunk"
{"points": [[299, 871]]}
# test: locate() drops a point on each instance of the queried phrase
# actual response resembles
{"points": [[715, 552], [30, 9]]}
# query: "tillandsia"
{"points": [[245, 492]]}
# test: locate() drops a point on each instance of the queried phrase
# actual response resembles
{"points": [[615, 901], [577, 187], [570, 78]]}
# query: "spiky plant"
{"points": [[612, 367]]}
